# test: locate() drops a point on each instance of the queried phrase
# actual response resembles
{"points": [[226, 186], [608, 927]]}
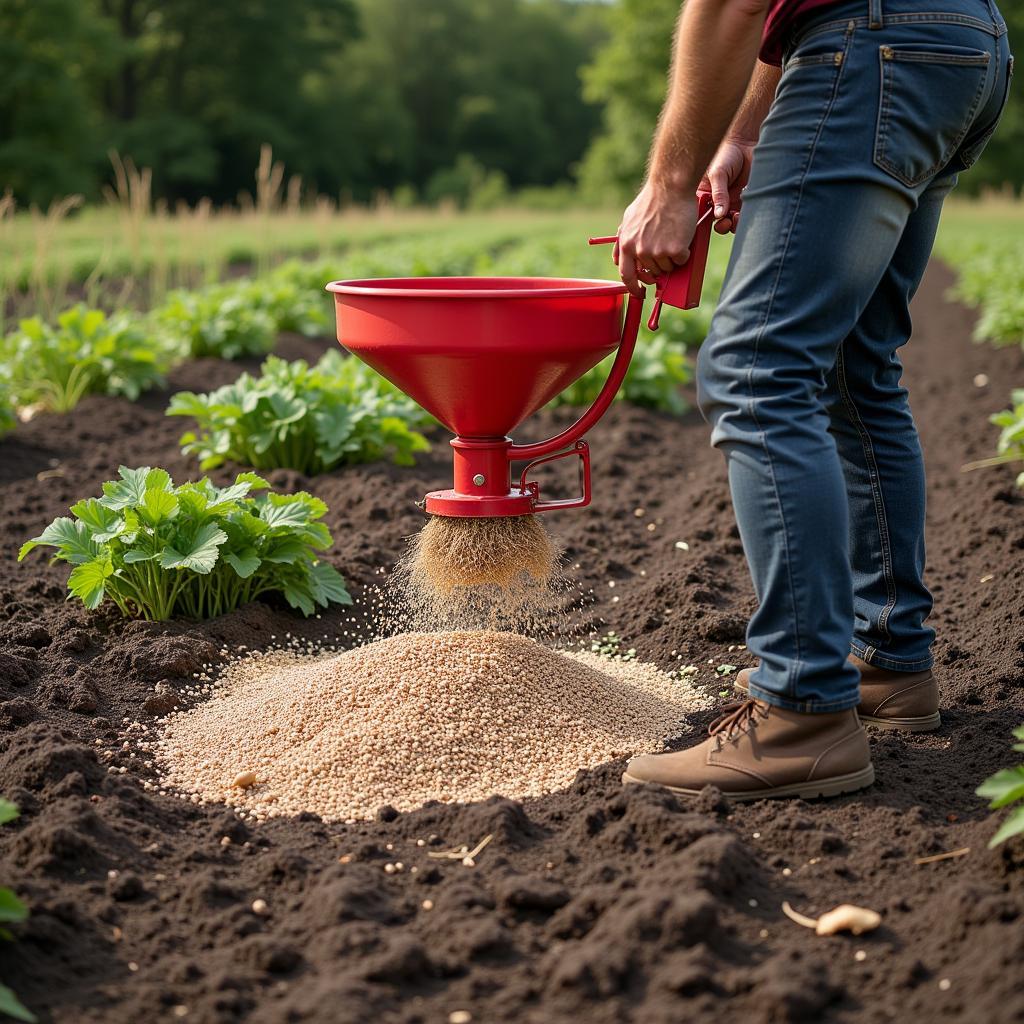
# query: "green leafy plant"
{"points": [[991, 280], [86, 353], [1005, 788], [12, 911], [1010, 446], [7, 417], [290, 304], [194, 551], [310, 419], [656, 372], [220, 320]]}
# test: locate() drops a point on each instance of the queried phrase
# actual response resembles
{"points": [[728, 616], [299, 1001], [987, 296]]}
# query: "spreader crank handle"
{"points": [[580, 449], [681, 287]]}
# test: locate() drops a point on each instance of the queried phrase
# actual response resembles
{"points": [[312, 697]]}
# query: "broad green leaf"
{"points": [[291, 509], [227, 495], [292, 514], [242, 526], [12, 910], [192, 501], [159, 478], [200, 555], [254, 480], [1019, 734], [1004, 787], [129, 490], [88, 581], [8, 811], [245, 562], [317, 535], [328, 585], [158, 506], [1013, 826], [104, 523], [298, 594], [71, 538], [133, 555], [285, 551], [335, 428], [287, 409], [186, 403], [10, 1005]]}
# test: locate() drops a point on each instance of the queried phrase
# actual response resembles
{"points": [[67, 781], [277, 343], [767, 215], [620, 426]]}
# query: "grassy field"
{"points": [[969, 222], [128, 255], [132, 252]]}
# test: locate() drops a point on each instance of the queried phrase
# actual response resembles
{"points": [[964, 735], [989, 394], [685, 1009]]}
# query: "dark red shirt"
{"points": [[783, 17]]}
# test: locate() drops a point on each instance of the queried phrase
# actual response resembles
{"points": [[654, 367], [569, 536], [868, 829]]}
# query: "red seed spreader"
{"points": [[483, 353]]}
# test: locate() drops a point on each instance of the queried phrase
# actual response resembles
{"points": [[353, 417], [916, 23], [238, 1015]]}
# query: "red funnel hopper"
{"points": [[481, 354]]}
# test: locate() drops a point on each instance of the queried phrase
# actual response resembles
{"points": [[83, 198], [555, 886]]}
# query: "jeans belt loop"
{"points": [[875, 14]]}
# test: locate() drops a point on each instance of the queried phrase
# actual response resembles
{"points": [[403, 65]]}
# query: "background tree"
{"points": [[455, 99], [355, 96], [628, 75], [52, 58]]}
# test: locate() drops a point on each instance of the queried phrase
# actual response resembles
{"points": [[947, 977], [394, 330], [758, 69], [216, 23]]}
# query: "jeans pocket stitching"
{"points": [[833, 57], [882, 124], [927, 57], [938, 18]]}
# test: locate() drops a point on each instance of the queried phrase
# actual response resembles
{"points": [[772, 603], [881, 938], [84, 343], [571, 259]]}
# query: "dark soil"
{"points": [[598, 903]]}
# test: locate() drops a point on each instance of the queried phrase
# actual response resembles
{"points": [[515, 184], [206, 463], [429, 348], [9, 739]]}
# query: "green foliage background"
{"points": [[423, 100], [627, 81], [354, 95]]}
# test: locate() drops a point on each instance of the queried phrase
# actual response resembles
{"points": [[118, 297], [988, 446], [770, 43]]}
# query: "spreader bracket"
{"points": [[580, 449]]}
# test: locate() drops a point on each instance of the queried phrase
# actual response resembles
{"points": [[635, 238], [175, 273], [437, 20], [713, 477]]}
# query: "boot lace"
{"points": [[736, 718]]}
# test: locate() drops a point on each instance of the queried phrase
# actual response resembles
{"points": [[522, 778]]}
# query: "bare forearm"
{"points": [[715, 53], [746, 125]]}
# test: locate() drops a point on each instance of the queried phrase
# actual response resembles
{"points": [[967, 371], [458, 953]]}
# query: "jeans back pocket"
{"points": [[975, 143], [928, 102]]}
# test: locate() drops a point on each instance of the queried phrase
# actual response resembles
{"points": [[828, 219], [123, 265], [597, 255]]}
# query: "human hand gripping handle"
{"points": [[725, 178], [682, 286]]}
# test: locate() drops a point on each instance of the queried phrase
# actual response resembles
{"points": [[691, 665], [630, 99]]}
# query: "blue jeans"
{"points": [[881, 103]]}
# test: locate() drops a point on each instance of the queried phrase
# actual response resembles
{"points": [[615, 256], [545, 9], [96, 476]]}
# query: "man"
{"points": [[860, 134]]}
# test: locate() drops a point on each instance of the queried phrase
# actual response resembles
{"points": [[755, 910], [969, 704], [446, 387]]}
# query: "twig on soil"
{"points": [[845, 917], [463, 853], [807, 922], [948, 855]]}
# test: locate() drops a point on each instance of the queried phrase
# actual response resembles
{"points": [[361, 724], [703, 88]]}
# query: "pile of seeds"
{"points": [[454, 716]]}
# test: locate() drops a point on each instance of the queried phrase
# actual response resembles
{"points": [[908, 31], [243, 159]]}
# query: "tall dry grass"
{"points": [[130, 249]]}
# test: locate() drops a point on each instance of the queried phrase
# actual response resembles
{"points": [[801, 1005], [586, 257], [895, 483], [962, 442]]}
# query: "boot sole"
{"points": [[837, 785], [921, 723]]}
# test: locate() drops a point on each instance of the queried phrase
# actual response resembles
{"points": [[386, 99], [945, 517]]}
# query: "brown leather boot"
{"points": [[907, 701], [755, 750]]}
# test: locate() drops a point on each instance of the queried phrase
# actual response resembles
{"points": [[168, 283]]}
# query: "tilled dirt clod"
{"points": [[420, 716]]}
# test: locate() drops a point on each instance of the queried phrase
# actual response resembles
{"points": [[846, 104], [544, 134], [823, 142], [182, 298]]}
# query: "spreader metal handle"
{"points": [[682, 286], [581, 449], [630, 331]]}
